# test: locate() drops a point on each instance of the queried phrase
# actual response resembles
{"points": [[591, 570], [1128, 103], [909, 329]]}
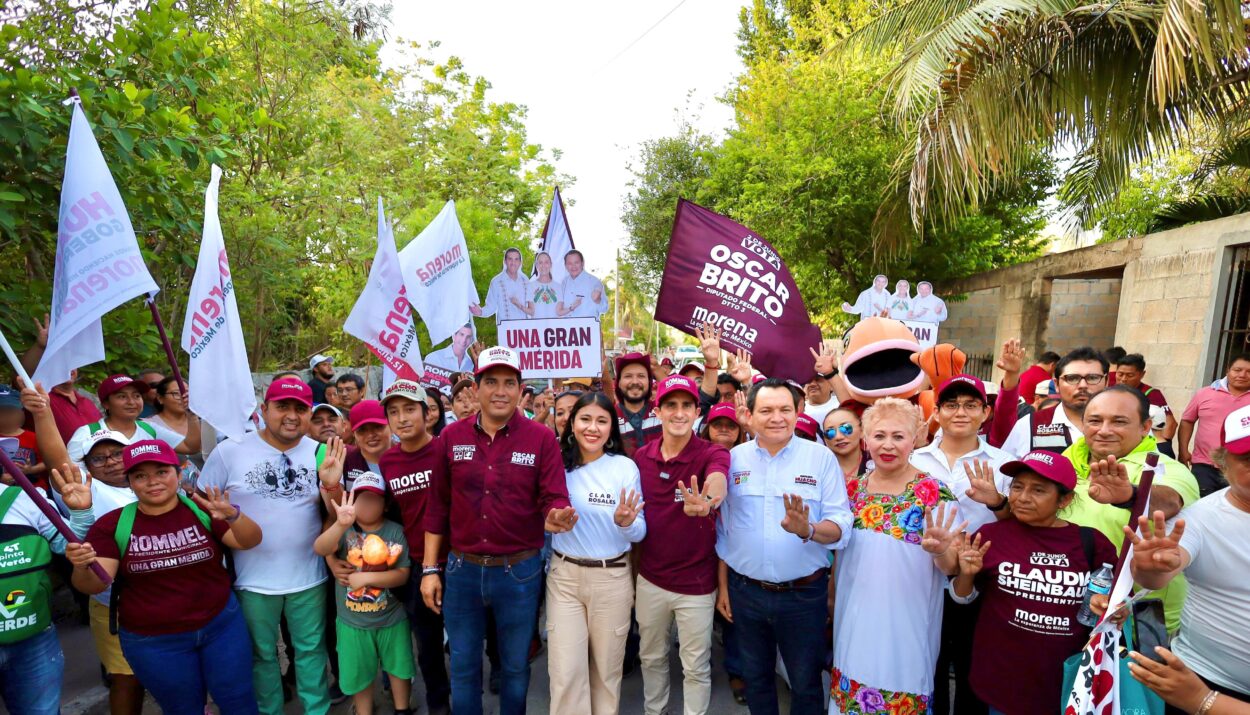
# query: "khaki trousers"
{"points": [[587, 622], [656, 609]]}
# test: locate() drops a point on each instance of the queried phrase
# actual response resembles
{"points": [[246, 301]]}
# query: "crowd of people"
{"points": [[877, 559]]}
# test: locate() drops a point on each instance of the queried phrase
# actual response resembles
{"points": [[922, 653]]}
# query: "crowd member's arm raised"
{"points": [[971, 557], [984, 489], [709, 337], [940, 535], [47, 437], [1109, 484], [244, 533], [1157, 555], [826, 363], [1011, 362]]}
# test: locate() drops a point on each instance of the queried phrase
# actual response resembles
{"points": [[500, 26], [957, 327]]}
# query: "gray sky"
{"points": [[556, 58]]}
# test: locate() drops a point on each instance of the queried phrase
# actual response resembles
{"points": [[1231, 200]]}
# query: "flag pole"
{"points": [[169, 349], [17, 364]]}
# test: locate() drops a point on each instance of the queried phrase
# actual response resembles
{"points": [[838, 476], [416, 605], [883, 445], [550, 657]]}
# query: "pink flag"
{"points": [[382, 316]]}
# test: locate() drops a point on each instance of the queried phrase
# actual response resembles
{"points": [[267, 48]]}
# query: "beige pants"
{"points": [[587, 622], [656, 610]]}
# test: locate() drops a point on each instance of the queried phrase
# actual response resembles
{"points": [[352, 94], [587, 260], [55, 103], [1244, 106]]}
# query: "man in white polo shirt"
{"points": [[785, 510]]}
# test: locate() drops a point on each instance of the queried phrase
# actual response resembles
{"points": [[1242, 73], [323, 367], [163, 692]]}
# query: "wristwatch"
{"points": [[1001, 505]]}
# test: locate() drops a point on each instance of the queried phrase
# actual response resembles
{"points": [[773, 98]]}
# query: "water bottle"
{"points": [[1100, 583]]}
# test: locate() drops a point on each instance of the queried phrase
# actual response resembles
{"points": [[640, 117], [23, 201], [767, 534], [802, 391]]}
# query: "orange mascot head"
{"points": [[878, 361]]}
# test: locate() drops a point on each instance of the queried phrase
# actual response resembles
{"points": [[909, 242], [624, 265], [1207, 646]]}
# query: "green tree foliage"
{"points": [[808, 164], [291, 99]]}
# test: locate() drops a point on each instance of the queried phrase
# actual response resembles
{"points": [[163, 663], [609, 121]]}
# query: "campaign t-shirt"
{"points": [[1032, 583], [679, 551], [380, 550], [172, 578], [409, 476], [281, 493]]}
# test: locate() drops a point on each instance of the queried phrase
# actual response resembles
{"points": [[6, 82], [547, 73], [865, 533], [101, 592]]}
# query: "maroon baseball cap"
{"points": [[676, 383], [965, 383], [632, 359], [148, 450], [289, 388], [807, 426], [1049, 465], [723, 410], [667, 361], [1235, 434], [113, 383], [367, 412]]}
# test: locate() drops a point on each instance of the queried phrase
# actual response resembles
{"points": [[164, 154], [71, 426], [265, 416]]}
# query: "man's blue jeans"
{"points": [[30, 674], [792, 622], [511, 593], [180, 667]]}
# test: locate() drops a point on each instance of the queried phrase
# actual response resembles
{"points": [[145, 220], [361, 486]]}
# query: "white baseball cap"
{"points": [[498, 356], [99, 437], [370, 482], [1235, 435], [318, 359]]}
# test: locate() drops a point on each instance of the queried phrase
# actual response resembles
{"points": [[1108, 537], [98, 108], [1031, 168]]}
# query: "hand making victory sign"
{"points": [[628, 506]]}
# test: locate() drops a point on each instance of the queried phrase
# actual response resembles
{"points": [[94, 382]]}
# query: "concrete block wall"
{"points": [[972, 323], [1083, 311]]}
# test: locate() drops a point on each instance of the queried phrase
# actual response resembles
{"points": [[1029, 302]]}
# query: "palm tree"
{"points": [[987, 84]]}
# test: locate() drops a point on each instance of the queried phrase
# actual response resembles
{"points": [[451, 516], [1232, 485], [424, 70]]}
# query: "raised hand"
{"points": [[560, 520], [826, 360], [709, 337], [971, 554], [1108, 482], [217, 503], [1156, 551], [984, 489], [628, 506], [741, 411], [74, 486], [740, 367], [41, 330], [1011, 360], [34, 399], [476, 349], [939, 528], [696, 501], [331, 470], [345, 511], [798, 519]]}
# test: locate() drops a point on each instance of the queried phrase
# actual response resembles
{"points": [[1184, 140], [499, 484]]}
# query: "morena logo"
{"points": [[1043, 457]]}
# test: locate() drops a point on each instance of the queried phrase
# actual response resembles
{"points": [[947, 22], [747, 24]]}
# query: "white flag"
{"points": [[98, 263], [212, 333], [557, 238], [382, 316], [439, 277]]}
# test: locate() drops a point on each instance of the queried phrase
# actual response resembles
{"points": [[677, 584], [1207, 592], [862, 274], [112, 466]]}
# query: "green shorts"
{"points": [[362, 651]]}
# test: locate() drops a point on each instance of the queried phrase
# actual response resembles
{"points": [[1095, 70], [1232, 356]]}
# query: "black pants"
{"points": [[427, 627], [1209, 478], [958, 623]]}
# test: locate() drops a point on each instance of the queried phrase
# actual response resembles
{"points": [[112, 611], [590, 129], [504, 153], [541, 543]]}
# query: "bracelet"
{"points": [[335, 488], [1001, 505], [238, 512], [1128, 503], [1207, 703], [810, 534], [431, 570]]}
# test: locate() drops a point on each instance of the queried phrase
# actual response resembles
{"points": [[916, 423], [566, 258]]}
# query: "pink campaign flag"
{"points": [[719, 271], [382, 316], [98, 263]]}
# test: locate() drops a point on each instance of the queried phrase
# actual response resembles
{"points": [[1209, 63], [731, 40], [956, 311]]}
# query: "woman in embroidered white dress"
{"points": [[544, 292], [890, 577]]}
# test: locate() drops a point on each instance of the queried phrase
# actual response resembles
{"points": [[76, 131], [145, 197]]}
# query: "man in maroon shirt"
{"points": [[683, 481], [409, 468], [1038, 373], [501, 484], [70, 408]]}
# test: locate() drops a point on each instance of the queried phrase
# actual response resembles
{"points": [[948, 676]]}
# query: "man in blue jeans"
{"points": [[502, 485], [785, 510]]}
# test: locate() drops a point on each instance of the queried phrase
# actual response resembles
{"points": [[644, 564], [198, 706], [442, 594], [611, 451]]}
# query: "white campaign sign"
{"points": [[555, 347], [382, 316], [98, 263], [926, 333], [439, 277], [212, 333]]}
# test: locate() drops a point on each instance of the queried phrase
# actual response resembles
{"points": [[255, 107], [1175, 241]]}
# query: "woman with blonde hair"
{"points": [[544, 292], [890, 577]]}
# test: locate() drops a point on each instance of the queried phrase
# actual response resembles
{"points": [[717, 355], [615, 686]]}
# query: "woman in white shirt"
{"points": [[590, 587], [544, 293]]}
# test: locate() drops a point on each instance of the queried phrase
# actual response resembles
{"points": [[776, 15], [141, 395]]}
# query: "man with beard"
{"points": [[634, 408], [1080, 375], [325, 423], [272, 476], [322, 367]]}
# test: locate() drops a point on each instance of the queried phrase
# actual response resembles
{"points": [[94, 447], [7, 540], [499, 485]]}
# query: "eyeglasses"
{"points": [[953, 407], [1088, 379], [846, 428], [105, 458]]}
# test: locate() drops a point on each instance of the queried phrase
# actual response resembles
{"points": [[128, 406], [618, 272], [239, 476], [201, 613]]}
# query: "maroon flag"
{"points": [[720, 272]]}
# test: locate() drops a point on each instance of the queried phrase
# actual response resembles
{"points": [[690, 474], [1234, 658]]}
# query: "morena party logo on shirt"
{"points": [[463, 452], [740, 477], [524, 459], [761, 249], [1043, 457]]}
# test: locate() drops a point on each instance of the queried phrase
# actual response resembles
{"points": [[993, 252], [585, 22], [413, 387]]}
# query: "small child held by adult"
{"points": [[372, 627]]}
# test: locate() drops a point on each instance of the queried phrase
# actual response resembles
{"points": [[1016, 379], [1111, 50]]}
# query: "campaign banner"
{"points": [[554, 348], [926, 333], [212, 333], [98, 263], [719, 271], [438, 275]]}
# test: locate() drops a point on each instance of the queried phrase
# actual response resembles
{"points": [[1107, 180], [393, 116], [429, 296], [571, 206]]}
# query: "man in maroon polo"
{"points": [[501, 485], [683, 482]]}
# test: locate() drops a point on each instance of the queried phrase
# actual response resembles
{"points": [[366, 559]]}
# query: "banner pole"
{"points": [[17, 364], [48, 510], [169, 349]]}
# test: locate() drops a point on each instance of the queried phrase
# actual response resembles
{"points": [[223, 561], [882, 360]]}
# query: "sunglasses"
{"points": [[846, 428]]}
